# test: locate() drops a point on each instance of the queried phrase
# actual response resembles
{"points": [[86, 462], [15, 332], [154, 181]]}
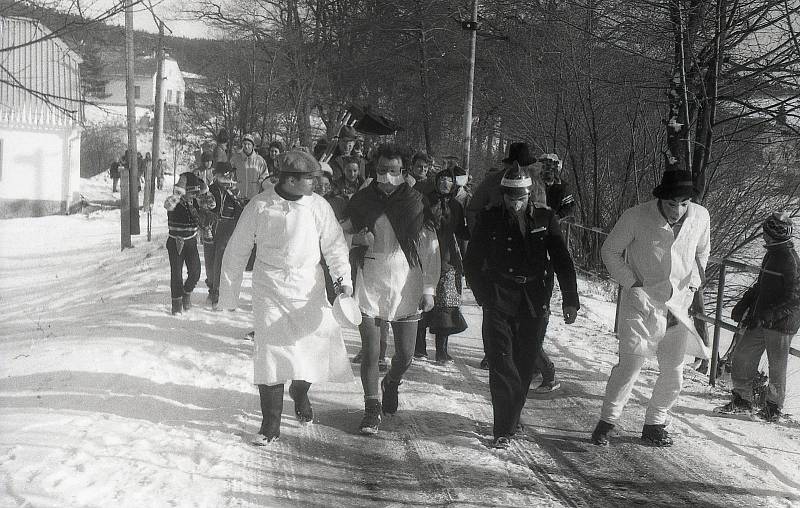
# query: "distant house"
{"points": [[40, 121], [113, 60]]}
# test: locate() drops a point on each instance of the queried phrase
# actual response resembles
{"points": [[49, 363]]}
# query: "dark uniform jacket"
{"points": [[774, 300], [510, 273]]}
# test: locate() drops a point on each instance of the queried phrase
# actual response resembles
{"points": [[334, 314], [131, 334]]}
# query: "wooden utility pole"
{"points": [[132, 162], [158, 125], [472, 27]]}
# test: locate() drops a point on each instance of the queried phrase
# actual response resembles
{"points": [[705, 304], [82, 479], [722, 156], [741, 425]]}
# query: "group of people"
{"points": [[399, 238], [142, 164]]}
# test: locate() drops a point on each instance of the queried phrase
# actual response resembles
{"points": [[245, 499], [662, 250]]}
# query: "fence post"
{"points": [[712, 376]]}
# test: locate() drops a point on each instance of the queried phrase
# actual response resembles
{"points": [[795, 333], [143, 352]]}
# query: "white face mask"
{"points": [[390, 178], [461, 180]]}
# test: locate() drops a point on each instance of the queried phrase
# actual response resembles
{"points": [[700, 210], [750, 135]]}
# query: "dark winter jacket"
{"points": [[226, 204], [774, 300], [560, 199], [509, 273]]}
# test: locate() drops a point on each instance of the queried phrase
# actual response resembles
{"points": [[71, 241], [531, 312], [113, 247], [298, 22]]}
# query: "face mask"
{"points": [[390, 179], [516, 205], [461, 180]]}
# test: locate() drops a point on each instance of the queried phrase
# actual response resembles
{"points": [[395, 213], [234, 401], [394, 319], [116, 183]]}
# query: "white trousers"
{"points": [[670, 354]]}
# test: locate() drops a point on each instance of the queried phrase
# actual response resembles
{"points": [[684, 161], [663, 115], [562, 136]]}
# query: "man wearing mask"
{"points": [[251, 169], [511, 250], [297, 338], [398, 270], [559, 197], [657, 251]]}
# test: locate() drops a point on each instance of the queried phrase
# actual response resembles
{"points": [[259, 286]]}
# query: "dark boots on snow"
{"points": [[187, 301], [737, 405], [600, 433], [298, 391], [656, 435], [177, 306], [769, 413], [271, 409], [372, 417], [389, 401]]}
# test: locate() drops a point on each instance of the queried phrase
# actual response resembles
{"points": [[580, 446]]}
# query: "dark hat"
{"points": [[516, 181], [222, 167], [278, 145], [299, 162], [189, 182], [206, 156], [346, 133], [778, 226], [675, 184], [519, 152]]}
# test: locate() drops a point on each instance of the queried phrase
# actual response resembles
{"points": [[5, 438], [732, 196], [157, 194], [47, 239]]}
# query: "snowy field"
{"points": [[108, 400]]}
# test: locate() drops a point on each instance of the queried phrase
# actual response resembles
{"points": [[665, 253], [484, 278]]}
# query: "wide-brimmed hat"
{"points": [[222, 167], [675, 184], [516, 181], [519, 152], [299, 162], [778, 226]]}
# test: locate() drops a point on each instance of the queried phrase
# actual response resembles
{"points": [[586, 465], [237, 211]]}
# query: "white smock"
{"points": [[387, 287], [668, 268], [296, 335]]}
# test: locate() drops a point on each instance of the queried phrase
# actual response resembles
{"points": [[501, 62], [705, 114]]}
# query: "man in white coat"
{"points": [[296, 336], [667, 245]]}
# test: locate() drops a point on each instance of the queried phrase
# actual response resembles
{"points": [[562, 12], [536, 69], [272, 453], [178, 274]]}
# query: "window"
{"points": [[178, 98], [137, 92], [169, 95]]}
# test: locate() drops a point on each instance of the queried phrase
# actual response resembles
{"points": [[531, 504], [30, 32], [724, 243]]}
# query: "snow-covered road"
{"points": [[108, 400]]}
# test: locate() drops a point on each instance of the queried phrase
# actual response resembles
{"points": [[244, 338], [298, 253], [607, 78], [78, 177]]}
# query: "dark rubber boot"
{"points": [[600, 433], [177, 307], [298, 391], [187, 301], [271, 409]]}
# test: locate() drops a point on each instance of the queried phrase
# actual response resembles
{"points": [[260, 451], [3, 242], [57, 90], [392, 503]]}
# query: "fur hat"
{"points": [[778, 226], [516, 181], [675, 184], [519, 152]]}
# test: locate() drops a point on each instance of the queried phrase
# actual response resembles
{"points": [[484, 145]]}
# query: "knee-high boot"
{"points": [[271, 409]]}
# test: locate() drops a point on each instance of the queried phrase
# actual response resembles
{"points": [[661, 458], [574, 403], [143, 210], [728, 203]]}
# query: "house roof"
{"points": [[113, 61], [39, 78]]}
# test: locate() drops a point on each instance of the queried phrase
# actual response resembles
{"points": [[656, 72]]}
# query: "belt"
{"points": [[519, 279]]}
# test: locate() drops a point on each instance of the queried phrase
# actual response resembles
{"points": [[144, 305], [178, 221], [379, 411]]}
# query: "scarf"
{"points": [[404, 208]]}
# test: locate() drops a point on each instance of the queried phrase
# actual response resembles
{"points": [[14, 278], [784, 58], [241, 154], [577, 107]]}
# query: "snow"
{"points": [[107, 399]]}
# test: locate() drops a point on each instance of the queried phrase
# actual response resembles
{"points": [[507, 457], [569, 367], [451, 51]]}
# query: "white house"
{"points": [[40, 121], [174, 87]]}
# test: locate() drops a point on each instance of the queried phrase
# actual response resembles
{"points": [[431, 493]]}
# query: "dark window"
{"points": [[137, 92]]}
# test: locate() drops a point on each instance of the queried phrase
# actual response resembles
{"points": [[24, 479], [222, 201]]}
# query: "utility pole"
{"points": [[472, 27], [132, 163], [158, 126]]}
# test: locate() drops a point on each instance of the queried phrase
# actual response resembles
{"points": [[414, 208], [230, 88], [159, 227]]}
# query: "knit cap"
{"points": [[778, 226]]}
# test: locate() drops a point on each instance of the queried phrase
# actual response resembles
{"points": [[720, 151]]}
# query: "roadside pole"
{"points": [[132, 162]]}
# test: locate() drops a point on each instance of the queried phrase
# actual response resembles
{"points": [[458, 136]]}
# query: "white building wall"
{"points": [[115, 88], [34, 164]]}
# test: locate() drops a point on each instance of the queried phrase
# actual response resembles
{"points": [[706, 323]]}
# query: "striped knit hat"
{"points": [[778, 226]]}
